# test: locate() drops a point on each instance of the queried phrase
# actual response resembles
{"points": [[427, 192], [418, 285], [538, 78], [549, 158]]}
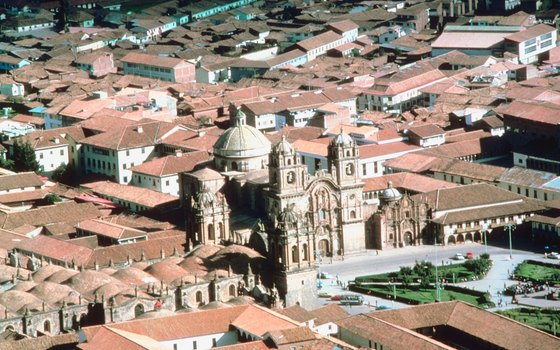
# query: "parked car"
{"points": [[324, 295], [470, 255], [458, 256], [553, 255], [324, 275], [336, 297], [351, 299]]}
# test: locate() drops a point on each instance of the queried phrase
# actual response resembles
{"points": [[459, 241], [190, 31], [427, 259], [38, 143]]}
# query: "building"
{"points": [[159, 67], [97, 64], [532, 44]]}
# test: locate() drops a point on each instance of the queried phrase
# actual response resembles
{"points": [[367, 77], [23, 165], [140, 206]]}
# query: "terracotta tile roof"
{"points": [[489, 327], [199, 323], [408, 182], [151, 248], [387, 334], [173, 164], [23, 118], [133, 136], [143, 196], [108, 338], [258, 321], [293, 134], [530, 33], [312, 148], [543, 112], [108, 229], [55, 249], [386, 149], [207, 174], [343, 26], [252, 345], [296, 313], [64, 212], [292, 335], [486, 145], [152, 60], [412, 162], [479, 171], [42, 343], [319, 40], [20, 197], [426, 130], [20, 180], [328, 313], [471, 40], [472, 195], [83, 109]]}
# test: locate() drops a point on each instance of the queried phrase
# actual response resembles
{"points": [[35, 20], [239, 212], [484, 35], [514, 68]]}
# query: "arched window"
{"points": [[47, 326], [295, 257], [211, 235], [198, 297], [304, 252], [322, 214], [221, 230], [138, 310], [234, 166], [352, 214], [231, 290]]}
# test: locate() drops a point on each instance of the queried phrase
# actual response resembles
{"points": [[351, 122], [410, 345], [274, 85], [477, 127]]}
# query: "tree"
{"points": [[405, 275], [24, 157], [65, 174], [424, 270], [477, 266], [6, 163]]}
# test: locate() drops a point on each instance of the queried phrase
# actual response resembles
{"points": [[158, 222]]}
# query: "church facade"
{"points": [[306, 217]]}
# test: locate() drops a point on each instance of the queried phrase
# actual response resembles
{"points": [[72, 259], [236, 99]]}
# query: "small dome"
{"points": [[288, 216], [205, 198], [342, 139], [390, 194], [284, 147], [241, 140]]}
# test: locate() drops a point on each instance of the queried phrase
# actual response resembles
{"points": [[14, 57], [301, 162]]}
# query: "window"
{"points": [[194, 345], [61, 152], [125, 179], [167, 183], [127, 153], [40, 155]]}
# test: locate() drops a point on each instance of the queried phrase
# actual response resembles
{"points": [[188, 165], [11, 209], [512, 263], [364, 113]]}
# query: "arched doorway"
{"points": [[407, 238], [295, 257], [477, 237], [198, 297], [451, 239], [138, 310], [460, 239], [469, 238], [324, 247], [304, 254], [47, 326], [211, 233], [231, 290]]}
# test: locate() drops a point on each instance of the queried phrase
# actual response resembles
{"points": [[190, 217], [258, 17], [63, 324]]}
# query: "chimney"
{"points": [[139, 129], [178, 153], [201, 133], [56, 140]]}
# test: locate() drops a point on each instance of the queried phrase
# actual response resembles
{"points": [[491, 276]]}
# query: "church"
{"points": [[298, 218]]}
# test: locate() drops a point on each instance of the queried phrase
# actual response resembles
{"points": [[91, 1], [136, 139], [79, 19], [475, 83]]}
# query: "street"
{"points": [[392, 260]]}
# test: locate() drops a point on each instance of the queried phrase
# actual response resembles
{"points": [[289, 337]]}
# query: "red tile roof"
{"points": [[530, 33], [156, 61], [173, 164], [371, 151], [56, 249]]}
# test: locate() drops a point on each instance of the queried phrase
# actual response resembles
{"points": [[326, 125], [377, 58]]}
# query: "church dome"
{"points": [[205, 198], [288, 216], [241, 140], [390, 194], [284, 147], [342, 139]]}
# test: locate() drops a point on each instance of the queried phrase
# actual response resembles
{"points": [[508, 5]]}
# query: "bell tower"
{"points": [[287, 174], [343, 159], [292, 247]]}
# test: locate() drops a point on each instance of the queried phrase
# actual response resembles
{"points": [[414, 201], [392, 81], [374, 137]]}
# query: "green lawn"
{"points": [[535, 271], [426, 295], [545, 320]]}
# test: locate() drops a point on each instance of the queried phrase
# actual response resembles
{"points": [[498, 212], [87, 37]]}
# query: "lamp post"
{"points": [[485, 230], [510, 227]]}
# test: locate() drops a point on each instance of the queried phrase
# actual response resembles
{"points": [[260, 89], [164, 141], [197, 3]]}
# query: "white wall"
{"points": [[203, 342]]}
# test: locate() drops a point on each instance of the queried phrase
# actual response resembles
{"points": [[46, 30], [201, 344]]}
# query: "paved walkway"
{"points": [[497, 279]]}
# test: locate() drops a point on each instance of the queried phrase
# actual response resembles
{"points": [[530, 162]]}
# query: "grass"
{"points": [[418, 295], [540, 319], [538, 271]]}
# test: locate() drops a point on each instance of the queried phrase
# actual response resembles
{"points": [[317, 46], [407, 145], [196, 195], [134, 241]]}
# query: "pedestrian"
{"points": [[377, 252]]}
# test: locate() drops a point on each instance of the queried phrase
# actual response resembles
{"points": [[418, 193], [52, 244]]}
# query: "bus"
{"points": [[351, 299]]}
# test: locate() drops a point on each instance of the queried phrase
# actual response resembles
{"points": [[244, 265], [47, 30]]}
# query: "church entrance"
{"points": [[324, 248], [407, 238]]}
